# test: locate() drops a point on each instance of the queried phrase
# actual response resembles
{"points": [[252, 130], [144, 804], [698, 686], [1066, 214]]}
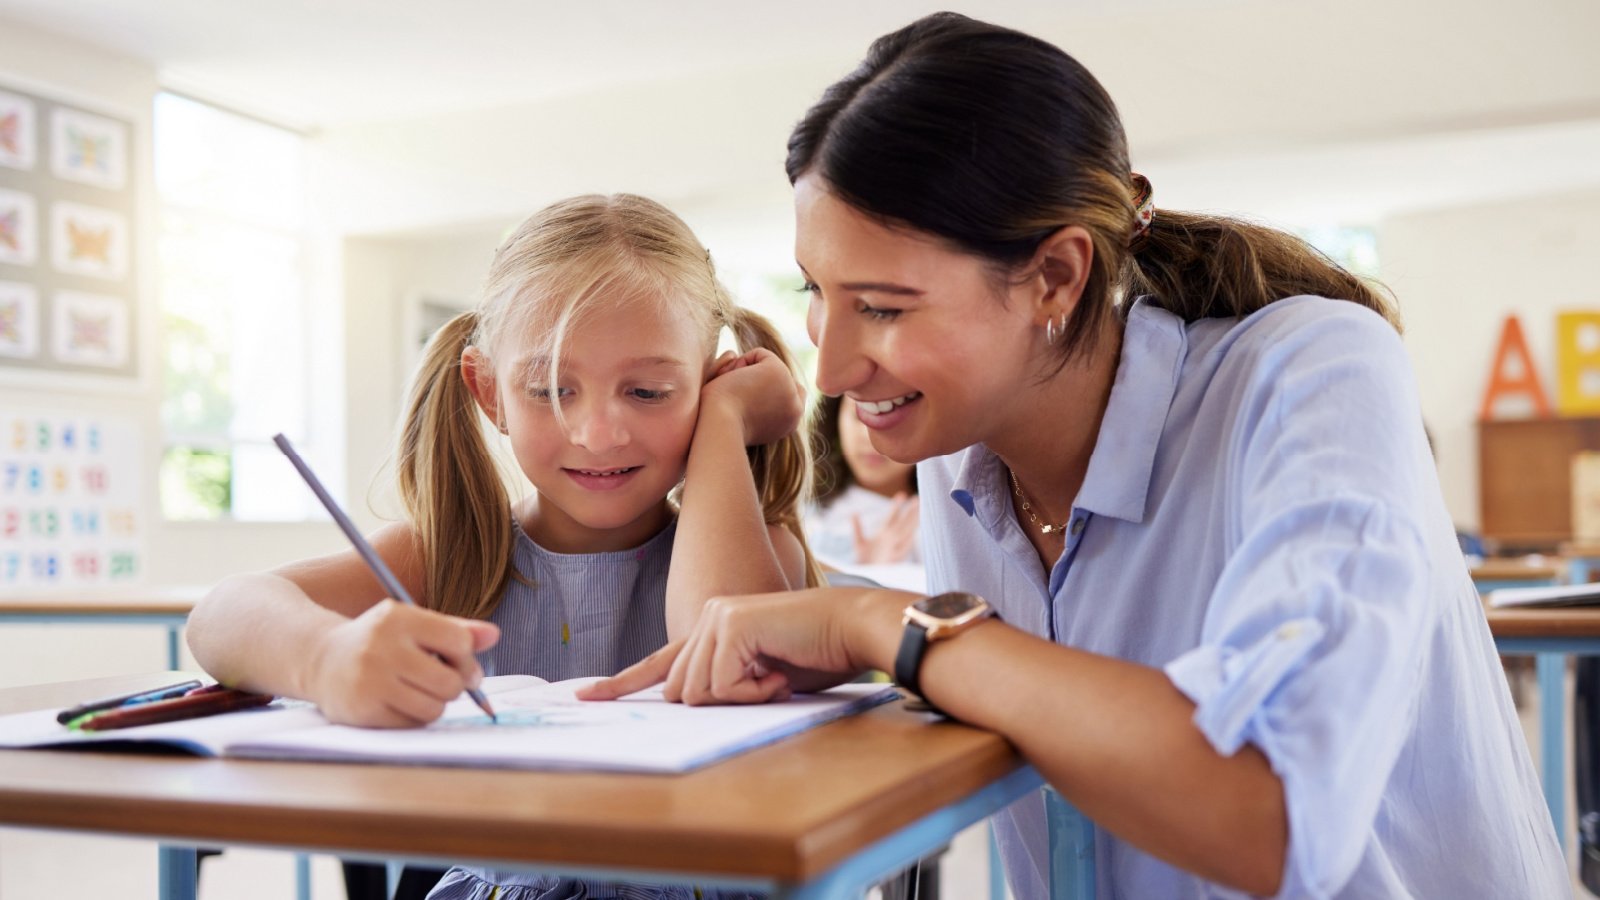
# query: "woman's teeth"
{"points": [[879, 407]]}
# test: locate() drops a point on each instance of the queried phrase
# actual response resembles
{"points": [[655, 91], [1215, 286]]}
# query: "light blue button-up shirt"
{"points": [[1261, 518]]}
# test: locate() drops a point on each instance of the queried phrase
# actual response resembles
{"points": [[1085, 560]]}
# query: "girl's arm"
{"points": [[723, 544], [323, 629], [1116, 737]]}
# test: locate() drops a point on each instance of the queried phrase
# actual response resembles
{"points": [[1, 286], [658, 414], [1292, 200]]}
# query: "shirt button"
{"points": [[1077, 527]]}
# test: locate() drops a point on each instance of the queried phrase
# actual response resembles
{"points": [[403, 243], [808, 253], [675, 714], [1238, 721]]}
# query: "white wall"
{"points": [[1458, 273]]}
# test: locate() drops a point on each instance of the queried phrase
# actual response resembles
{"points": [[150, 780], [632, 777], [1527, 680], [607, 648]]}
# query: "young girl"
{"points": [[593, 351], [866, 507]]}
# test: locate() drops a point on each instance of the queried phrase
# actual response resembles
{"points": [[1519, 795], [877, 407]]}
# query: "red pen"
{"points": [[206, 701]]}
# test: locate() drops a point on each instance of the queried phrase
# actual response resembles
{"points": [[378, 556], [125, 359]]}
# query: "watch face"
{"points": [[949, 606]]}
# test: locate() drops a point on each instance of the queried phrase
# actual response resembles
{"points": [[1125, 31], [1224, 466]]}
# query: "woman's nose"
{"points": [[842, 363]]}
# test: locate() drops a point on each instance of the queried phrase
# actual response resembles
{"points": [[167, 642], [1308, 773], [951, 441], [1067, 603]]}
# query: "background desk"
{"points": [[168, 607], [1550, 636], [822, 814]]}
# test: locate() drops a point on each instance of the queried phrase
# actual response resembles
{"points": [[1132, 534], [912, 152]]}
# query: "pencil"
{"points": [[373, 560], [189, 706]]}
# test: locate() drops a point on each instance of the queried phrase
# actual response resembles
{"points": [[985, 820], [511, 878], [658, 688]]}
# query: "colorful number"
{"points": [[67, 436], [94, 439], [12, 476], [45, 565], [85, 521], [19, 436], [44, 522], [120, 521], [122, 565], [42, 431], [59, 479], [94, 479], [11, 523], [86, 565], [12, 564]]}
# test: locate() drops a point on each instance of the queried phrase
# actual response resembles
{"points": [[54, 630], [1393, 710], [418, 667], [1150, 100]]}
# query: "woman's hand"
{"points": [[763, 647], [893, 542], [761, 391], [396, 666]]}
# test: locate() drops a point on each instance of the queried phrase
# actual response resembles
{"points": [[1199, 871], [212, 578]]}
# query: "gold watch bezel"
{"points": [[939, 628]]}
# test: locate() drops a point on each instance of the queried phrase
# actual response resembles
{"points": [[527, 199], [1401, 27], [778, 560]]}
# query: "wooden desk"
{"points": [[822, 814], [168, 607], [1549, 635]]}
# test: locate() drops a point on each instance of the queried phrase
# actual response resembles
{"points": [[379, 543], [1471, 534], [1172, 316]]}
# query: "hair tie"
{"points": [[1144, 207]]}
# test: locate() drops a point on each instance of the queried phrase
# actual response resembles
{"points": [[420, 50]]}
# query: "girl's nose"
{"points": [[597, 427]]}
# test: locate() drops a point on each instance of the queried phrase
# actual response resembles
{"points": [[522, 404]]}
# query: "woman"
{"points": [[1183, 458]]}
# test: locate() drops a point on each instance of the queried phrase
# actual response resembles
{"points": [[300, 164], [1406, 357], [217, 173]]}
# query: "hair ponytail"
{"points": [[782, 469], [448, 481], [1197, 266]]}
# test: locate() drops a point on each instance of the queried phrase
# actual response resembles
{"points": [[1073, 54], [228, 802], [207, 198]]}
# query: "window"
{"points": [[234, 300]]}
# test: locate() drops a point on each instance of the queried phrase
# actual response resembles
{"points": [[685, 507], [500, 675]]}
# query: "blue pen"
{"points": [[147, 696], [374, 561]]}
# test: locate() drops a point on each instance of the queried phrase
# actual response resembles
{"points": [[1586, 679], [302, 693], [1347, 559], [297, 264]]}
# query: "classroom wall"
{"points": [[1458, 273]]}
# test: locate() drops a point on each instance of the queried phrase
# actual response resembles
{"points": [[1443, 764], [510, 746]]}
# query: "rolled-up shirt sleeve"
{"points": [[1322, 618]]}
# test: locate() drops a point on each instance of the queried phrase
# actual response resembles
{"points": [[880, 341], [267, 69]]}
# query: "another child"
{"points": [[594, 351], [866, 507]]}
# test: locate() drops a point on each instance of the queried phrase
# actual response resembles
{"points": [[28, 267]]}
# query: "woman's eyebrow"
{"points": [[877, 287]]}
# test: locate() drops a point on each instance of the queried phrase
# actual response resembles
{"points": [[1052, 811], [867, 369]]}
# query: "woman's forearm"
{"points": [[1116, 738]]}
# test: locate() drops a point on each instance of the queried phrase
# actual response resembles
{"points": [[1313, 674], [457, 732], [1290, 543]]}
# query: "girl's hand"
{"points": [[761, 391], [396, 666], [762, 647], [893, 542]]}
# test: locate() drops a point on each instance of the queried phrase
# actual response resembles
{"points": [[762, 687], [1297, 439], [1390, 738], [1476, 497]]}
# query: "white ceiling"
{"points": [[1314, 110]]}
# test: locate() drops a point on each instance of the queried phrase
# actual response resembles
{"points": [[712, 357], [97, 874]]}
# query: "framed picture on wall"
{"points": [[69, 279], [423, 313]]}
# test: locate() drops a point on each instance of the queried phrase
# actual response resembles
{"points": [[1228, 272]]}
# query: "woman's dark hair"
{"points": [[832, 472], [993, 140]]}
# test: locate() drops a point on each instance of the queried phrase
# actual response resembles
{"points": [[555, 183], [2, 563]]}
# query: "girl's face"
{"points": [[871, 469], [629, 391], [910, 329]]}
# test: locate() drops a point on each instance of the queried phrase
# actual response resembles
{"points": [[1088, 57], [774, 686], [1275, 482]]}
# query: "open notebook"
{"points": [[542, 726]]}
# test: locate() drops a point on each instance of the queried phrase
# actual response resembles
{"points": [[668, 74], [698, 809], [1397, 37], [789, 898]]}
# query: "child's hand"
{"points": [[396, 666], [761, 391], [893, 542]]}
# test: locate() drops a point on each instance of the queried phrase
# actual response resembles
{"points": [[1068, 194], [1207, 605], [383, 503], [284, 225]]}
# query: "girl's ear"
{"points": [[1061, 266], [479, 377]]}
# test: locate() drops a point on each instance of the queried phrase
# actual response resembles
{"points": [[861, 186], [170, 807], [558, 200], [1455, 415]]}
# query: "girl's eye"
{"points": [[879, 314], [649, 395], [810, 287], [541, 392]]}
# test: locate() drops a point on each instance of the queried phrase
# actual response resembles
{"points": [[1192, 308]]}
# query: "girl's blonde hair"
{"points": [[563, 263]]}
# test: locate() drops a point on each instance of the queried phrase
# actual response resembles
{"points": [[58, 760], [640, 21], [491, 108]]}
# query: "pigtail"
{"points": [[782, 469], [450, 486]]}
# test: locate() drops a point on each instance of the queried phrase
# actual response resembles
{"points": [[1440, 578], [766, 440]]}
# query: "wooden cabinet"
{"points": [[1525, 479]]}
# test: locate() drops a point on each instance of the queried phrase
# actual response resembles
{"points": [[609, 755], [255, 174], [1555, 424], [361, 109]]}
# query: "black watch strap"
{"points": [[908, 661]]}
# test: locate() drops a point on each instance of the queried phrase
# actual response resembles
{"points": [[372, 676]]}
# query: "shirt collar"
{"points": [[1117, 482]]}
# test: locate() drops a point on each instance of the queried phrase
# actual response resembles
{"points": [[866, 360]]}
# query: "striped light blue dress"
{"points": [[581, 614]]}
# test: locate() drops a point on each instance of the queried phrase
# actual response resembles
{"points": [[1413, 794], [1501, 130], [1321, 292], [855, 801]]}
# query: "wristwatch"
{"points": [[932, 619]]}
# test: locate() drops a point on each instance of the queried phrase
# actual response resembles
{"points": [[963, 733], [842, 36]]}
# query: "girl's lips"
{"points": [[593, 480], [881, 421]]}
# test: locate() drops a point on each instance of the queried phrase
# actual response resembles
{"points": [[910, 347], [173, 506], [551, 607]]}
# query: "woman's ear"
{"points": [[1061, 266], [479, 377]]}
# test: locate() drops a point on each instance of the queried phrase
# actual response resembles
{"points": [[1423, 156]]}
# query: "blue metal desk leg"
{"points": [[179, 875], [1552, 668], [302, 876], [1071, 848], [172, 646], [997, 869]]}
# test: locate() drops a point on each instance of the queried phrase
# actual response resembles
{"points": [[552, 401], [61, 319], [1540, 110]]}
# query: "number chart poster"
{"points": [[68, 293], [69, 492]]}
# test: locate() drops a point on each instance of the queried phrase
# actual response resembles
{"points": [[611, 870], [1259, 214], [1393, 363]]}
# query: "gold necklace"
{"points": [[1027, 510]]}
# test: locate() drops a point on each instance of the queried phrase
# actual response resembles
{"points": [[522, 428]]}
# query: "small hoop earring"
{"points": [[1050, 330]]}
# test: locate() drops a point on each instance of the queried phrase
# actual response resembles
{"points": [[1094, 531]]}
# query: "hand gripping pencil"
{"points": [[374, 562]]}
